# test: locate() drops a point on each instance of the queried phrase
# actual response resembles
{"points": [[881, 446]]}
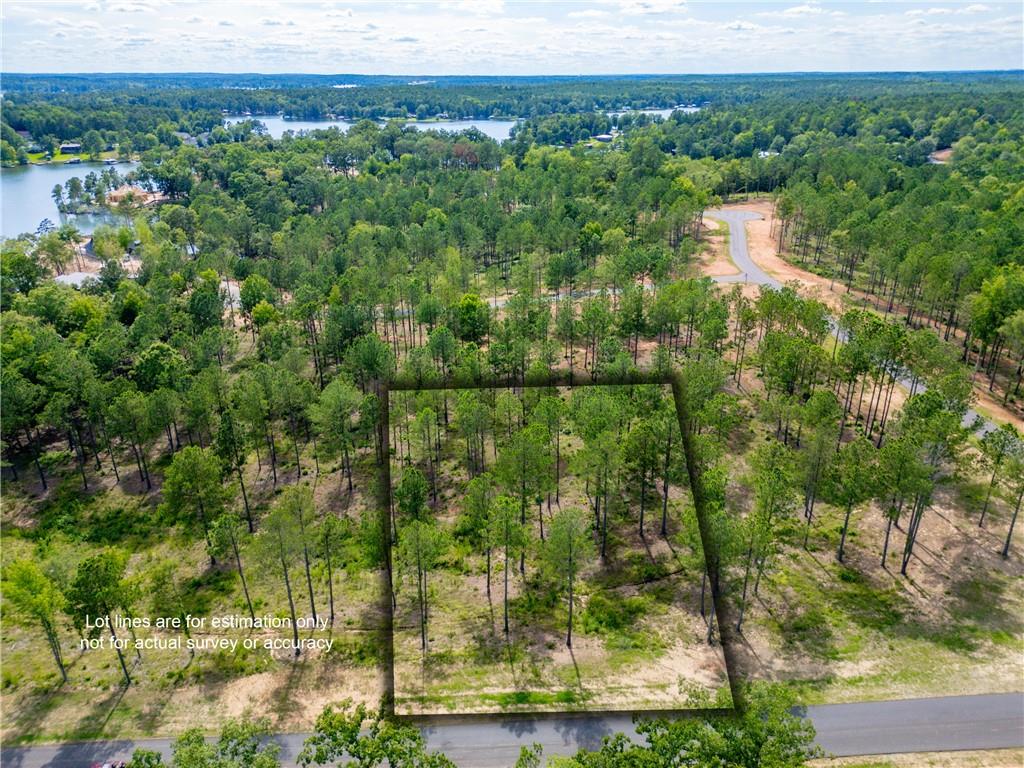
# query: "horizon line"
{"points": [[601, 75]]}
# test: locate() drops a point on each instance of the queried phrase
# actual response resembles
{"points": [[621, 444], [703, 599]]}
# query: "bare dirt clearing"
{"points": [[763, 249], [715, 261], [860, 631]]}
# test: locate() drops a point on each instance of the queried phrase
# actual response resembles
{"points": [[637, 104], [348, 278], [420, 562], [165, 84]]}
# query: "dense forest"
{"points": [[49, 105], [209, 425]]}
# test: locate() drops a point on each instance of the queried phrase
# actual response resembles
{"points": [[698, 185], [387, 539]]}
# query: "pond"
{"points": [[25, 196], [498, 130]]}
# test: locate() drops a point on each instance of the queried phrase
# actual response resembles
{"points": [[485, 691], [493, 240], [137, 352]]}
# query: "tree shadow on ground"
{"points": [[284, 703], [519, 728], [587, 733], [31, 712], [94, 722]]}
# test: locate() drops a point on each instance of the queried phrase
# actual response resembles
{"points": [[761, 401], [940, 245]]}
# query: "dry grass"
{"points": [[985, 758], [170, 690]]}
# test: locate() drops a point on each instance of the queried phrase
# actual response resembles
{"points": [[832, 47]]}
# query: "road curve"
{"points": [[750, 272], [992, 721], [738, 252]]}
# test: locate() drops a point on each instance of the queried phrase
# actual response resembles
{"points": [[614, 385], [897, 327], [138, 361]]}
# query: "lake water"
{"points": [[25, 191], [498, 130], [25, 196]]}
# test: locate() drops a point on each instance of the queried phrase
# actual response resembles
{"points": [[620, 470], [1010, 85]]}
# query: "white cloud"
{"points": [[513, 37], [130, 7], [476, 7], [651, 7], [945, 11], [806, 9]]}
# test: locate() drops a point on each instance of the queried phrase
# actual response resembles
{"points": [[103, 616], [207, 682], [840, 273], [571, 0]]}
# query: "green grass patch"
{"points": [[604, 615], [533, 698]]}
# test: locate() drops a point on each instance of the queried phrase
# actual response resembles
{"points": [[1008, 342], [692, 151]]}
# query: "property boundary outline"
{"points": [[559, 379]]}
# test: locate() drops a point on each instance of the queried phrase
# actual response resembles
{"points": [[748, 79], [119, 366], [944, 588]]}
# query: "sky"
{"points": [[507, 37]]}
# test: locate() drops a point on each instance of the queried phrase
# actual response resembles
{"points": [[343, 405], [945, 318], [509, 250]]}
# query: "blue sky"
{"points": [[508, 36]]}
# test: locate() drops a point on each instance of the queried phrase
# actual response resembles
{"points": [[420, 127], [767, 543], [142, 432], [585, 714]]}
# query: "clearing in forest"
{"points": [[546, 553]]}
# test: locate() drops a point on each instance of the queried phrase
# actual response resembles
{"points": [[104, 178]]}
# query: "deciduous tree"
{"points": [[35, 597]]}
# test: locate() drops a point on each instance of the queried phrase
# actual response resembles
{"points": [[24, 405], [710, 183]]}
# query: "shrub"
{"points": [[604, 615]]}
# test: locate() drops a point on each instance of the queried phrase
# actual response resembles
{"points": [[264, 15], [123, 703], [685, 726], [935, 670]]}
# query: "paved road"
{"points": [[752, 273], [915, 725], [867, 728], [738, 252]]}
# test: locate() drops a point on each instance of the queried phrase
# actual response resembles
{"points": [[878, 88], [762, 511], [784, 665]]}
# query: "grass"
{"points": [[170, 690], [533, 699], [59, 157], [856, 632], [636, 626]]}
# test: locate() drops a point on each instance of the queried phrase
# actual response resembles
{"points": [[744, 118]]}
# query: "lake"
{"points": [[25, 196], [498, 130], [25, 191]]}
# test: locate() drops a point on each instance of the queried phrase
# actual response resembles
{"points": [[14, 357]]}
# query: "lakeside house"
{"points": [[75, 279], [187, 138], [137, 194], [70, 148], [30, 141]]}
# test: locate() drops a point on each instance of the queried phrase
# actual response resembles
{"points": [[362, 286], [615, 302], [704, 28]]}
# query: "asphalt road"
{"points": [[867, 728], [738, 252], [752, 273], [917, 725]]}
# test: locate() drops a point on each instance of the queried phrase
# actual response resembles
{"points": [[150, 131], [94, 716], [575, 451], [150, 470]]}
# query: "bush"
{"points": [[356, 650], [604, 615]]}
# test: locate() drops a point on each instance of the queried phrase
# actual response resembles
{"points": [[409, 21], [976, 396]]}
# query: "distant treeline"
{"points": [[67, 106], [907, 123]]}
